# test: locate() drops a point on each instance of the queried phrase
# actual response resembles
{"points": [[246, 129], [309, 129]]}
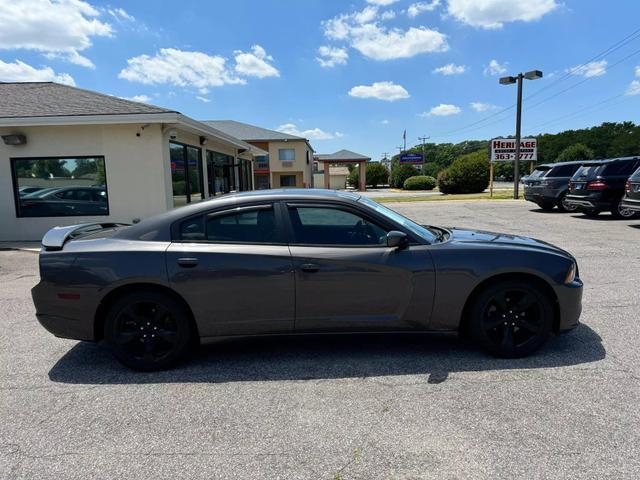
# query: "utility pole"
{"points": [[423, 140]]}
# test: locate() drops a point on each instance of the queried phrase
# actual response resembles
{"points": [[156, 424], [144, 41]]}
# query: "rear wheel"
{"points": [[511, 319], [564, 206], [618, 211], [147, 331]]}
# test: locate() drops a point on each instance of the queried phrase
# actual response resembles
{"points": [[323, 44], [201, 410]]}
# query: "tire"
{"points": [[148, 331], [622, 213], [511, 319], [546, 205], [563, 206]]}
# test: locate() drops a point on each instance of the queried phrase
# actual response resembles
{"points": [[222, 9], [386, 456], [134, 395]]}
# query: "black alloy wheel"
{"points": [[565, 206], [618, 211], [512, 319], [147, 331]]}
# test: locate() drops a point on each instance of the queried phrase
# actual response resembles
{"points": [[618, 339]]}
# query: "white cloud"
{"points": [[482, 107], [311, 134], [120, 14], [381, 3], [331, 56], [62, 28], [492, 14], [339, 134], [591, 69], [388, 15], [255, 63], [634, 88], [442, 110], [203, 99], [495, 68], [417, 8], [138, 98], [363, 31], [22, 72], [450, 69], [181, 68], [637, 71], [387, 91], [385, 122]]}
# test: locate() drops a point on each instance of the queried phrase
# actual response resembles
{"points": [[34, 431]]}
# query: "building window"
{"points": [[287, 154], [261, 163], [287, 180], [222, 173], [60, 186], [186, 173]]}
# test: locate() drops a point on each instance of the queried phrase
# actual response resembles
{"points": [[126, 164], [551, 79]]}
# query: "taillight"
{"points": [[570, 185], [597, 185], [627, 186]]}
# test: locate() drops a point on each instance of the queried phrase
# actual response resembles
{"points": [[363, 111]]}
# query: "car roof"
{"points": [[559, 164], [157, 227], [606, 161]]}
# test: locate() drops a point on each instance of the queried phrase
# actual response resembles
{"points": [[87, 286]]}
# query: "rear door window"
{"points": [[539, 172], [624, 167], [588, 171]]}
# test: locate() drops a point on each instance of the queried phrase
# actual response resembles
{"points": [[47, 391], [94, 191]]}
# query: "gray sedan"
{"points": [[297, 262]]}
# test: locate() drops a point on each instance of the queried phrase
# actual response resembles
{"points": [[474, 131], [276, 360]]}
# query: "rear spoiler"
{"points": [[55, 238]]}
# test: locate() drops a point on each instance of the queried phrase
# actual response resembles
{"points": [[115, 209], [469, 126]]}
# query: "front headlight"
{"points": [[571, 274]]}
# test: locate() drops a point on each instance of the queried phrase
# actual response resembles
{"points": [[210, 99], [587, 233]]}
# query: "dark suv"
{"points": [[600, 185], [631, 200], [548, 184]]}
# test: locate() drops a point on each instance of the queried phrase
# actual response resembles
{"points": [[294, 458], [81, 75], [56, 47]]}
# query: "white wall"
{"points": [[136, 170]]}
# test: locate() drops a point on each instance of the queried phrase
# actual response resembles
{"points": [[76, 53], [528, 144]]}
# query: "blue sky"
{"points": [[346, 74]]}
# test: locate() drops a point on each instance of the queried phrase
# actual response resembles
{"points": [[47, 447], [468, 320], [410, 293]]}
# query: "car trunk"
{"points": [[633, 187], [587, 173]]}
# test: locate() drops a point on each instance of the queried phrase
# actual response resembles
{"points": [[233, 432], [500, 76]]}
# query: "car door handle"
{"points": [[309, 267], [187, 262]]}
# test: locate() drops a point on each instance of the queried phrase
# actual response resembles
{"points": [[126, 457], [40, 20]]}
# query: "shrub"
{"points": [[467, 174], [431, 169], [420, 182], [399, 173]]}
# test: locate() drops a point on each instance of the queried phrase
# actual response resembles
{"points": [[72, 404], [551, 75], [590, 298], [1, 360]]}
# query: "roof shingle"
{"points": [[249, 132]]}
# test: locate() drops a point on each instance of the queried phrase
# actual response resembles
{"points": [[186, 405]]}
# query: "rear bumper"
{"points": [[593, 202], [570, 304], [631, 204], [537, 194], [65, 318]]}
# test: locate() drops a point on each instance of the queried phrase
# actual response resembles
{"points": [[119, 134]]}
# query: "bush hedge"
{"points": [[399, 173], [467, 174], [420, 182]]}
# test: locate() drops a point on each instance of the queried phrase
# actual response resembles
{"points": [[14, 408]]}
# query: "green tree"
{"points": [[467, 174], [377, 174], [577, 151], [431, 169]]}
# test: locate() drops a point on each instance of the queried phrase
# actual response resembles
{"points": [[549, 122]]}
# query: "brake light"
{"points": [[570, 185], [627, 186], [597, 185]]}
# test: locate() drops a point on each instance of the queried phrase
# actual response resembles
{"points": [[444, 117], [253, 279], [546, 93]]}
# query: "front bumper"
{"points": [[569, 304]]}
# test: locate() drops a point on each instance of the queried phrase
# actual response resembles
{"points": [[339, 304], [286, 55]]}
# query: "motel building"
{"points": [[288, 161], [71, 156]]}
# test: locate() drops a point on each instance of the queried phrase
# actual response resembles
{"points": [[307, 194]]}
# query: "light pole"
{"points": [[532, 75]]}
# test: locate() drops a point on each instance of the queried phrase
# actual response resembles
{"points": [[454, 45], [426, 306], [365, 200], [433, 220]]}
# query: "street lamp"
{"points": [[532, 75]]}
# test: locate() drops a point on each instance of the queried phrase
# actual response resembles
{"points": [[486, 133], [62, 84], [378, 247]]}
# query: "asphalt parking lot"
{"points": [[361, 407]]}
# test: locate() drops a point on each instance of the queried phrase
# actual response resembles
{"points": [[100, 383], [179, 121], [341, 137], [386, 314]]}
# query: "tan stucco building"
{"points": [[290, 159], [71, 156]]}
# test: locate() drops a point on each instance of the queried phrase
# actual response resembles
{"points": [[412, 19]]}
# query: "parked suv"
{"points": [[600, 185], [548, 185], [631, 200]]}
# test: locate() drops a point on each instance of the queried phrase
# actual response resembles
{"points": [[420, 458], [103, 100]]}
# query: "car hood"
{"points": [[463, 236]]}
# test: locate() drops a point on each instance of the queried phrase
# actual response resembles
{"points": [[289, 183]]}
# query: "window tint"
{"points": [[332, 226], [588, 171], [256, 226], [563, 171], [621, 168], [539, 172]]}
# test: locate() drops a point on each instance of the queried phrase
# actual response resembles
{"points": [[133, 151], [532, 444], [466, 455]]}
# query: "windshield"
{"points": [[410, 225], [588, 171]]}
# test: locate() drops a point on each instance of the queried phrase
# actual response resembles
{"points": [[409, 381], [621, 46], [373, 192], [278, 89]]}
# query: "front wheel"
{"points": [[147, 331], [511, 319]]}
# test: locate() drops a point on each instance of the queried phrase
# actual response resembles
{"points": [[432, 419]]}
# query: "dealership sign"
{"points": [[411, 158], [504, 149]]}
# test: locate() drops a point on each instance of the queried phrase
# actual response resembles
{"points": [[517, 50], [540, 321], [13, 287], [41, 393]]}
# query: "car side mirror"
{"points": [[396, 239]]}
